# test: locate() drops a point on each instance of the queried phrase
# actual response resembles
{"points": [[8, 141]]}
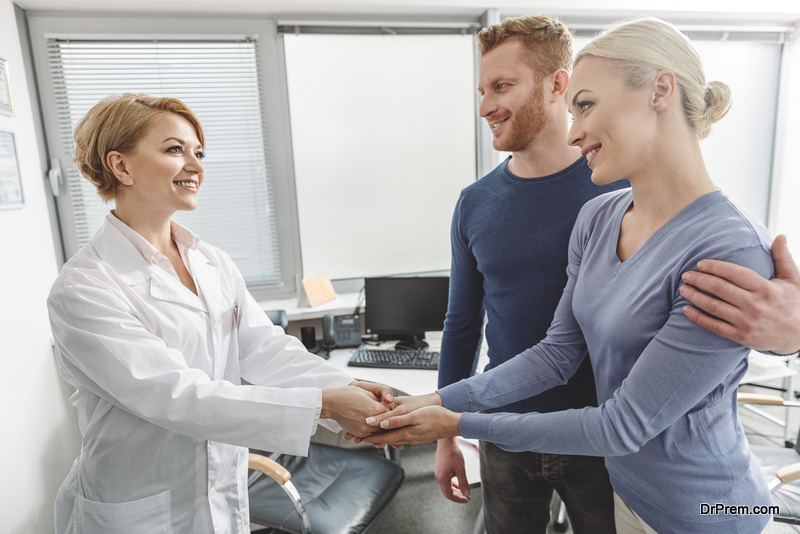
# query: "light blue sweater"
{"points": [[667, 421]]}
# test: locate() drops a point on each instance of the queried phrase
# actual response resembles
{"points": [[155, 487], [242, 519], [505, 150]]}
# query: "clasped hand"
{"points": [[352, 405], [413, 421]]}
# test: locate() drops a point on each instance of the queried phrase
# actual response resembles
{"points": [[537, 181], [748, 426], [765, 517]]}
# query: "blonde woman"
{"points": [[155, 329], [666, 421]]}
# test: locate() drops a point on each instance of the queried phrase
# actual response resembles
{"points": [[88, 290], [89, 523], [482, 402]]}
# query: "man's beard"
{"points": [[526, 124]]}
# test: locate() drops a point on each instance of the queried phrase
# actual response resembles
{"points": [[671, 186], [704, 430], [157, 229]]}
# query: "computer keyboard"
{"points": [[395, 359]]}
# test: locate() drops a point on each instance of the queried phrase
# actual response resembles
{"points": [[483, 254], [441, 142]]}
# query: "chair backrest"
{"points": [[278, 318]]}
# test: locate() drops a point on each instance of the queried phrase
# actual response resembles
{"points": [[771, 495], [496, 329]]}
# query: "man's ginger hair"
{"points": [[547, 40]]}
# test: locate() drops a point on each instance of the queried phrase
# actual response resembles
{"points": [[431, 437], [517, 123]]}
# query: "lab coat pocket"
{"points": [[150, 515]]}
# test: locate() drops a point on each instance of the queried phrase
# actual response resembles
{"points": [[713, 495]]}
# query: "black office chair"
{"points": [[332, 491], [278, 318], [780, 466]]}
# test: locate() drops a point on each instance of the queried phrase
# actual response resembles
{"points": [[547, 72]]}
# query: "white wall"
{"points": [[39, 428], [785, 216]]}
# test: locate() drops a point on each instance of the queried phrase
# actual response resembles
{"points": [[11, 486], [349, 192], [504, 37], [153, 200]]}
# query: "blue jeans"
{"points": [[518, 487]]}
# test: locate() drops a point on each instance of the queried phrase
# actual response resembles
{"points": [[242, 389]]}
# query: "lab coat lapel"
{"points": [[209, 278], [120, 254], [165, 287]]}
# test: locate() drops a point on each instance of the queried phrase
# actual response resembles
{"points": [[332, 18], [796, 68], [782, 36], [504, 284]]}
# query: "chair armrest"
{"points": [[271, 468], [755, 398], [788, 473]]}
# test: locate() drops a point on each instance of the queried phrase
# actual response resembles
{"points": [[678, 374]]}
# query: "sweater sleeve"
{"points": [[549, 364], [461, 339], [682, 365]]}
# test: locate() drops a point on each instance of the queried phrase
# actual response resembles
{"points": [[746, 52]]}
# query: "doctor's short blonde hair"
{"points": [[118, 123], [640, 48]]}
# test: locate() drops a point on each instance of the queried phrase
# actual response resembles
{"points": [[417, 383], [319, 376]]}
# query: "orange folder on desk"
{"points": [[315, 291]]}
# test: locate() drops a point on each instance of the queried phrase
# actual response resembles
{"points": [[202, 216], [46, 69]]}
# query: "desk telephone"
{"points": [[341, 332]]}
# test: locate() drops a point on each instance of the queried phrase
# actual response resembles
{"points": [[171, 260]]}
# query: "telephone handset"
{"points": [[341, 332]]}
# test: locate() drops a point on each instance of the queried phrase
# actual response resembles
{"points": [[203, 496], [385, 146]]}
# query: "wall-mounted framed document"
{"points": [[10, 180], [5, 90]]}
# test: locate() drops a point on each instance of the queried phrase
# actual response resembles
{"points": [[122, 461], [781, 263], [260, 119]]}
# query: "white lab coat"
{"points": [[163, 414]]}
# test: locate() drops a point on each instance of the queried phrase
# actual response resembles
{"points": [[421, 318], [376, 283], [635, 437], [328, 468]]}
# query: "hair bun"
{"points": [[718, 102]]}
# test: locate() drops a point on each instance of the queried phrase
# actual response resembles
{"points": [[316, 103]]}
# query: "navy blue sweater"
{"points": [[510, 238]]}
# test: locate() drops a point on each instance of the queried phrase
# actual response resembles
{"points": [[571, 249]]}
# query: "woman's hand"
{"points": [[350, 406], [401, 406], [405, 405], [422, 425]]}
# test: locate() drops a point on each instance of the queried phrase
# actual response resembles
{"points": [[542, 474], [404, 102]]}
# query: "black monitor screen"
{"points": [[406, 306]]}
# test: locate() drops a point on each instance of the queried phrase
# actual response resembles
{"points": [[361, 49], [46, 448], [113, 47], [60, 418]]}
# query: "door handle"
{"points": [[54, 174]]}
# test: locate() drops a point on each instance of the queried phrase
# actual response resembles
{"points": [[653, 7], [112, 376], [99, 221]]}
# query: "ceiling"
{"points": [[701, 11]]}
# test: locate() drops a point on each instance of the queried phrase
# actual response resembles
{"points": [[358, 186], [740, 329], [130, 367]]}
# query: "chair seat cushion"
{"points": [[787, 497], [343, 491]]}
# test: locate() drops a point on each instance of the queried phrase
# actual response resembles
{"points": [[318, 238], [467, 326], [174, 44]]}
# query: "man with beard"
{"points": [[509, 237]]}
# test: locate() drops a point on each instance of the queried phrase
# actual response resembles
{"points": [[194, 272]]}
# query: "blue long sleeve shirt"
{"points": [[509, 239], [667, 418]]}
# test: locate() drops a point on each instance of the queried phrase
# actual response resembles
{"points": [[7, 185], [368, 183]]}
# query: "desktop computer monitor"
{"points": [[405, 308]]}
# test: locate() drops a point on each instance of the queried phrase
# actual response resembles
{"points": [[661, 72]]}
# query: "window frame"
{"points": [[274, 105]]}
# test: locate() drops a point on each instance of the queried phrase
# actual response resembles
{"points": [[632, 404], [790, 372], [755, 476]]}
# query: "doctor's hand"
{"points": [[420, 426], [384, 393], [350, 407], [449, 464], [748, 309]]}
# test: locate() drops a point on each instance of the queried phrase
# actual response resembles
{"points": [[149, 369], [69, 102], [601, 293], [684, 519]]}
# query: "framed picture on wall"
{"points": [[10, 181], [5, 89]]}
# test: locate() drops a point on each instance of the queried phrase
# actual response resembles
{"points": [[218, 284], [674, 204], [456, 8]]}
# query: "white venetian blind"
{"points": [[219, 81]]}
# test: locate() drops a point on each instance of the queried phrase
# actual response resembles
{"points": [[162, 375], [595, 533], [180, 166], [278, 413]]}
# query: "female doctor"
{"points": [[156, 329]]}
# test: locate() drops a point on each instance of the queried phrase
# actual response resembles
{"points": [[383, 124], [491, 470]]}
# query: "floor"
{"points": [[420, 508]]}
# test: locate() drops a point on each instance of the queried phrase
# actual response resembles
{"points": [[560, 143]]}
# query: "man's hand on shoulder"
{"points": [[748, 309]]}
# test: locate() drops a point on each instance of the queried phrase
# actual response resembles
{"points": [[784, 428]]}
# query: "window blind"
{"points": [[384, 125], [219, 81]]}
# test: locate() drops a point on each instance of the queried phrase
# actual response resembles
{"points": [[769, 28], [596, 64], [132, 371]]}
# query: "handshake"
{"points": [[369, 412]]}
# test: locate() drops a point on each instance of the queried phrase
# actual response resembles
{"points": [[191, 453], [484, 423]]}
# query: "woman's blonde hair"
{"points": [[118, 123], [641, 47]]}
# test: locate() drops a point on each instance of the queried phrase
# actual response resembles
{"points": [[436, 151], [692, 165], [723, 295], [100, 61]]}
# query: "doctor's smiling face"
{"points": [[164, 172]]}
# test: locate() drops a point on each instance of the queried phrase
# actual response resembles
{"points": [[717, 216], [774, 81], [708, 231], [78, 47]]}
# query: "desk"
{"points": [[343, 304], [408, 381]]}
